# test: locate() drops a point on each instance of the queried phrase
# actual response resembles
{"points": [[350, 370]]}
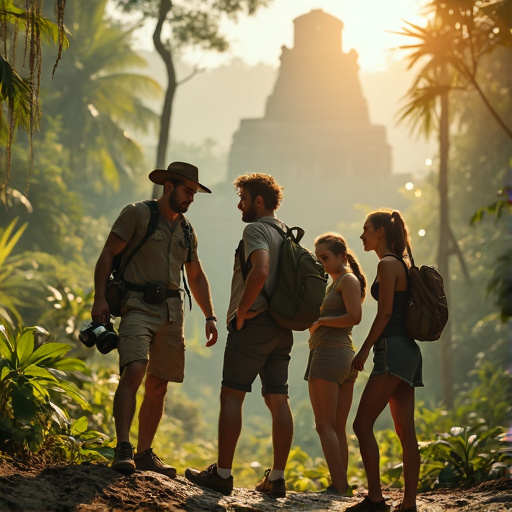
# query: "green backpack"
{"points": [[300, 285]]}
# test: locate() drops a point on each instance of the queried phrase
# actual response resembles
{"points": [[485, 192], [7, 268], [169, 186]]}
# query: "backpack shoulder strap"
{"points": [[188, 230], [289, 231], [401, 260], [153, 220], [152, 225]]}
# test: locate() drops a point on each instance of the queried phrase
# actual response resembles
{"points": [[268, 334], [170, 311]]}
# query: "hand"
{"points": [[240, 320], [211, 333], [314, 327], [359, 360], [100, 311]]}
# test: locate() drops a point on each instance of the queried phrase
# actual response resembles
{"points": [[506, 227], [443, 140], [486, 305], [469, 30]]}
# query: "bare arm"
{"points": [[200, 288], [254, 283], [387, 276], [113, 246], [350, 289]]}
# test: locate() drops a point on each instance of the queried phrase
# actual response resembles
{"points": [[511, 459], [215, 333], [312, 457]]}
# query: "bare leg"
{"points": [[151, 411], [282, 428], [230, 424], [324, 397], [375, 397], [402, 410], [344, 404], [125, 400]]}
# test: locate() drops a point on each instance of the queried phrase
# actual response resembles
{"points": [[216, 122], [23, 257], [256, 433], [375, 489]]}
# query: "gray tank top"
{"points": [[332, 305]]}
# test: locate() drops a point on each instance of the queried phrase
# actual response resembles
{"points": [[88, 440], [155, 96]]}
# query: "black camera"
{"points": [[101, 335]]}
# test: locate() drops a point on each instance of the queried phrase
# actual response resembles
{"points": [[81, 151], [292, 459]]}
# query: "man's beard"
{"points": [[250, 215], [175, 206]]}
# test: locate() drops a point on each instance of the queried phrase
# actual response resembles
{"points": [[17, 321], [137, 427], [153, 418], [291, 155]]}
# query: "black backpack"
{"points": [[300, 285], [427, 310]]}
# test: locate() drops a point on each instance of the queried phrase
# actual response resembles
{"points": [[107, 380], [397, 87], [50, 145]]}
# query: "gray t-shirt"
{"points": [[257, 235]]}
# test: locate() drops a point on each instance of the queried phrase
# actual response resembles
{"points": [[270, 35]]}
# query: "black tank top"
{"points": [[397, 324]]}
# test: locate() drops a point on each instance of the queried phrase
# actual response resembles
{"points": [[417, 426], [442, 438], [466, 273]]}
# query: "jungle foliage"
{"points": [[56, 395]]}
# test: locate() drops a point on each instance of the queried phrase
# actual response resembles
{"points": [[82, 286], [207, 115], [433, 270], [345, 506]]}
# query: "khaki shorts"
{"points": [[331, 362], [153, 333]]}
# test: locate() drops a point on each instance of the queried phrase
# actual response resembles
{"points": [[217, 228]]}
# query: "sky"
{"points": [[367, 27]]}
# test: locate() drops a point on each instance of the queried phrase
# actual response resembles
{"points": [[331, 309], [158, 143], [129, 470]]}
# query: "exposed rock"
{"points": [[95, 488]]}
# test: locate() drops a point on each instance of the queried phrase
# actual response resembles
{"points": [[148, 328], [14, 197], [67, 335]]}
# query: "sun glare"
{"points": [[368, 29]]}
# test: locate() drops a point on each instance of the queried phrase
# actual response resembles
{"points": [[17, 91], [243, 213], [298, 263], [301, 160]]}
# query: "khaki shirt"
{"points": [[160, 259]]}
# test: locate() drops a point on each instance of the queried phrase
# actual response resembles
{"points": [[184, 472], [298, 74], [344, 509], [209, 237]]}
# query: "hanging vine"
{"points": [[19, 85]]}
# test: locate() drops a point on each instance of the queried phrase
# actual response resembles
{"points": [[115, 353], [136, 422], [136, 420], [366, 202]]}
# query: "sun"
{"points": [[368, 28]]}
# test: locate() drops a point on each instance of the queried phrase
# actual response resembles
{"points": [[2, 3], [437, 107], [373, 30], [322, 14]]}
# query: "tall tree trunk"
{"points": [[445, 240], [165, 118]]}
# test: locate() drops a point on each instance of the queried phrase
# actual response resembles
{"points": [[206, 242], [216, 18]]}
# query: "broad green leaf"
{"points": [[48, 353], [79, 426], [25, 346]]}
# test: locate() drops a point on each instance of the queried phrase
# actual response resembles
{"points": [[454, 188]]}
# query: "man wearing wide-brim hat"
{"points": [[151, 333]]}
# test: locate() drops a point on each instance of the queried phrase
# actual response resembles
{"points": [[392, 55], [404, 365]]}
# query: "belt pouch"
{"points": [[154, 294]]}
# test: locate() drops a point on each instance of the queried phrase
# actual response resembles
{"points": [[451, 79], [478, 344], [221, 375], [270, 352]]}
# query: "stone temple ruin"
{"points": [[316, 124]]}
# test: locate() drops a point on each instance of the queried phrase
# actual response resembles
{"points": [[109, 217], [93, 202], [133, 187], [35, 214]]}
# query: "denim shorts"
{"points": [[400, 356], [261, 347], [331, 362]]}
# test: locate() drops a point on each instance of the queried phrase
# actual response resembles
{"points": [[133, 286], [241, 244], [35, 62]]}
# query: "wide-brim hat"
{"points": [[182, 171]]}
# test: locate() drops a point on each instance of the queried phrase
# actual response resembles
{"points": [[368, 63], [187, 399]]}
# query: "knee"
{"points": [[323, 427], [276, 401], [133, 375], [231, 397], [360, 427], [156, 387], [405, 433]]}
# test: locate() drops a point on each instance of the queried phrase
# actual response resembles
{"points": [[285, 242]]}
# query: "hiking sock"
{"points": [[223, 472], [276, 474]]}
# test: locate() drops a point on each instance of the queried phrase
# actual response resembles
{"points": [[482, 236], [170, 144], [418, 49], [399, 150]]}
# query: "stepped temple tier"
{"points": [[316, 123]]}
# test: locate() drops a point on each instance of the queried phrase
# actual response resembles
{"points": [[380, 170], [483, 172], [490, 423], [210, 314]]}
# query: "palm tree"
{"points": [[454, 42], [98, 98], [427, 109]]}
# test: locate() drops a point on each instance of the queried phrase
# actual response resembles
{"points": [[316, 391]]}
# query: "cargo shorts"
{"points": [[261, 347], [153, 333]]}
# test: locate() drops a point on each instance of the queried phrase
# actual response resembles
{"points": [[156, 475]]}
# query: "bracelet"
{"points": [[214, 318]]}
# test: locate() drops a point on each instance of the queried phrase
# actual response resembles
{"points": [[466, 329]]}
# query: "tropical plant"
{"points": [[16, 274], [79, 443], [70, 309], [465, 456], [33, 380], [98, 98]]}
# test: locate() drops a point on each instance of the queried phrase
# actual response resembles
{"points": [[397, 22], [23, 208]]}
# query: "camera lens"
{"points": [[106, 342], [87, 337]]}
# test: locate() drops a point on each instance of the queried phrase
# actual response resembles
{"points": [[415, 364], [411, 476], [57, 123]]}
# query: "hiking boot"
{"points": [[210, 479], [148, 460], [401, 508], [123, 458], [276, 488], [367, 505], [347, 493]]}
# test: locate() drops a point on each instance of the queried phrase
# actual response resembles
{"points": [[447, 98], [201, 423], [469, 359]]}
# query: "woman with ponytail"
{"points": [[397, 363], [329, 372]]}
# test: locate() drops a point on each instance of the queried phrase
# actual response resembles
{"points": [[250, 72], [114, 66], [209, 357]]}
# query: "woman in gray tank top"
{"points": [[329, 372]]}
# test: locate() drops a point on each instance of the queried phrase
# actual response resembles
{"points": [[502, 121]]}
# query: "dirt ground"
{"points": [[35, 487]]}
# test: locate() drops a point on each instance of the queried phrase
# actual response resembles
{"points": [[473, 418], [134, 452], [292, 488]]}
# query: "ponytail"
{"points": [[356, 269], [397, 234]]}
